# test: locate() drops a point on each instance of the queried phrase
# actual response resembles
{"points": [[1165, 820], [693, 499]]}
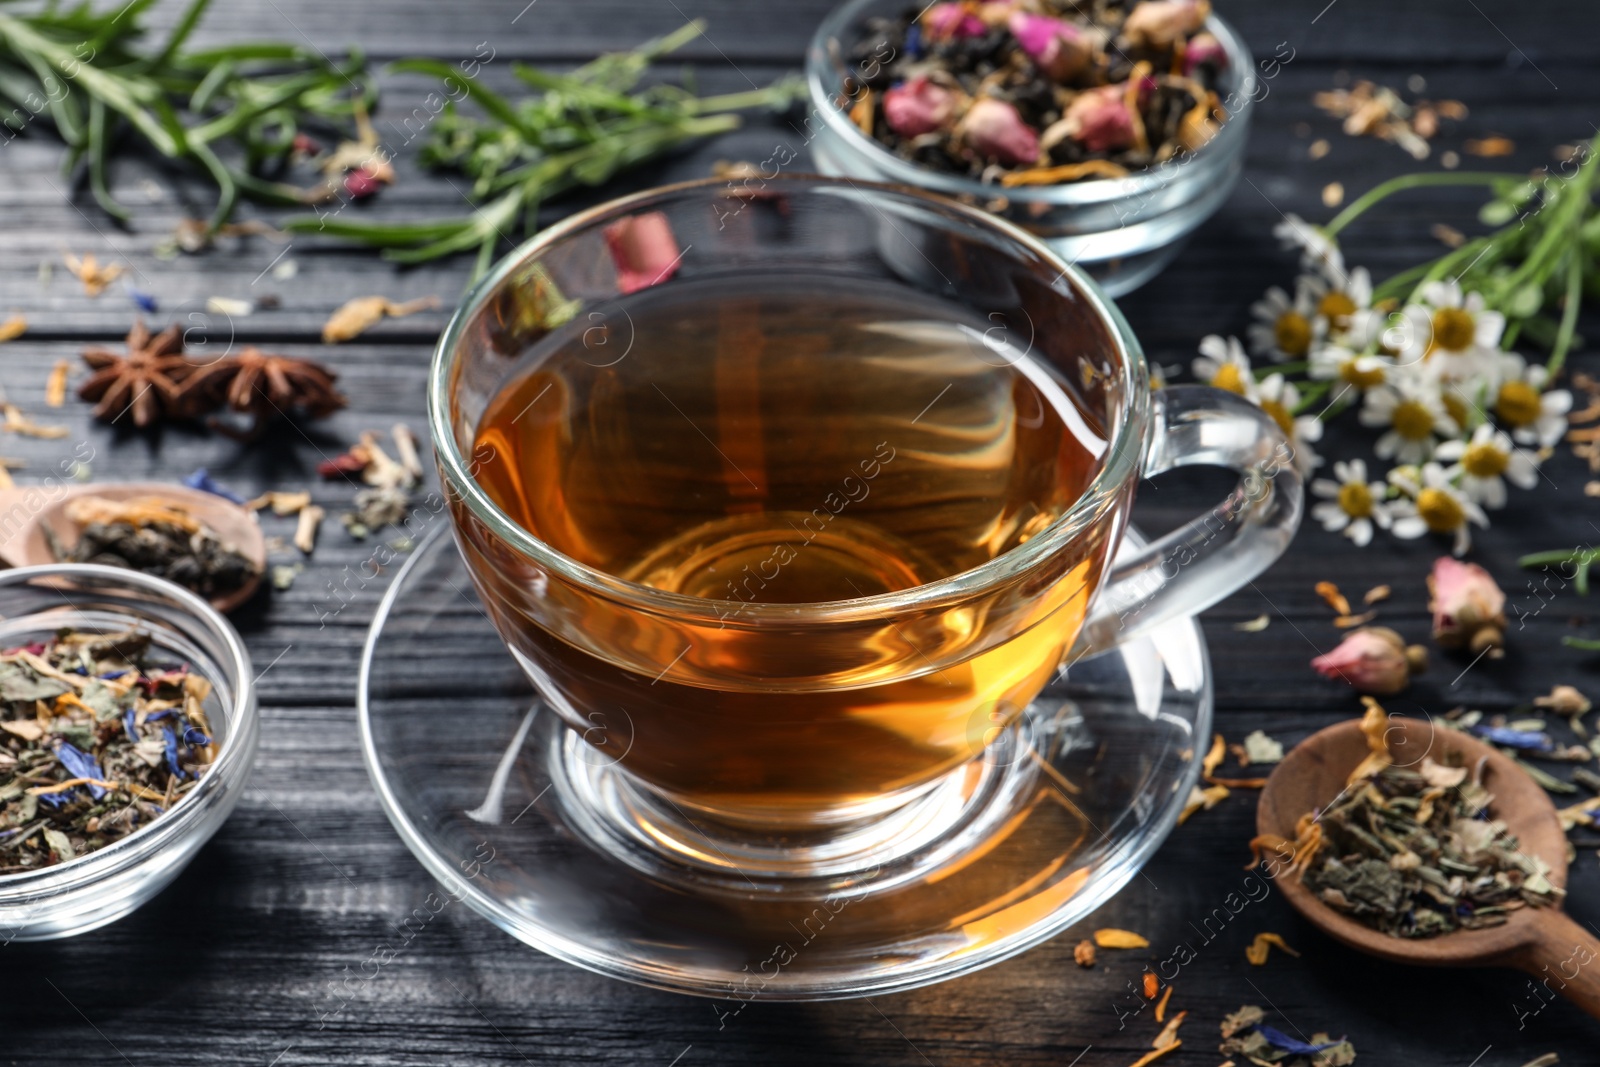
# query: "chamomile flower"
{"points": [[1433, 505], [1485, 461], [1284, 328], [1343, 302], [1453, 332], [1351, 504], [1533, 414], [1318, 251], [1358, 371], [1413, 410], [1278, 397], [1223, 365]]}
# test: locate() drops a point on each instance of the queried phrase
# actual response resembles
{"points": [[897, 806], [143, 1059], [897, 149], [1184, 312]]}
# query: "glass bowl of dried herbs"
{"points": [[1109, 129], [127, 731]]}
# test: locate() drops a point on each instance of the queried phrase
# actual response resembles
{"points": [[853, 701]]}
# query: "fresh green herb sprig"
{"points": [[232, 111], [579, 129]]}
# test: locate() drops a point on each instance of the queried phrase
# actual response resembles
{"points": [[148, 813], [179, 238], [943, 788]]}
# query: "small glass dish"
{"points": [[102, 886], [1122, 231]]}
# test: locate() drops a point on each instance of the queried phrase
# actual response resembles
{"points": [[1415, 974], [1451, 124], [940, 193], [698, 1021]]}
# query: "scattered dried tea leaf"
{"points": [[1319, 148], [1376, 594], [1110, 937], [13, 328], [305, 531], [282, 503], [284, 574], [1345, 622], [1580, 814], [18, 423], [1207, 799], [1253, 626], [88, 270], [1448, 236], [55, 387], [1151, 1057], [1333, 598], [1169, 1033], [229, 307], [27, 729], [1161, 1008], [1262, 945], [1333, 194], [1489, 147], [358, 316], [1259, 748], [1213, 758], [1083, 953], [1549, 1059]]}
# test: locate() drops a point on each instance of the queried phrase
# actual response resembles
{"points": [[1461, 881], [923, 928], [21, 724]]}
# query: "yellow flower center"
{"points": [[1355, 500], [1484, 461], [1517, 404], [1455, 405], [1351, 374], [1229, 377], [1454, 329], [1293, 333], [1337, 307], [1413, 421], [1280, 415], [1440, 510]]}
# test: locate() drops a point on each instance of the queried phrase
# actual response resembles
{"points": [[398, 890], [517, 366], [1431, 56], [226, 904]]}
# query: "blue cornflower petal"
{"points": [[195, 736], [202, 480], [1529, 740], [1279, 1039], [81, 765], [143, 301], [128, 719], [914, 41], [172, 751]]}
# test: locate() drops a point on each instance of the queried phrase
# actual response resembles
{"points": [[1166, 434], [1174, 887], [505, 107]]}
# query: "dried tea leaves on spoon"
{"points": [[153, 536], [96, 742]]}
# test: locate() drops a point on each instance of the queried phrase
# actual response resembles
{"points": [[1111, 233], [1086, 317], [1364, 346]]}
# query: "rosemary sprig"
{"points": [[578, 129], [233, 111]]}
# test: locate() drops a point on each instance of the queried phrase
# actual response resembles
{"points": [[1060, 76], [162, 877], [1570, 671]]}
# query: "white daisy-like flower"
{"points": [[1453, 332], [1413, 410], [1434, 506], [1485, 462], [1278, 397], [1284, 328], [1318, 251], [1223, 365], [1356, 370], [1534, 415], [1344, 304], [1351, 504]]}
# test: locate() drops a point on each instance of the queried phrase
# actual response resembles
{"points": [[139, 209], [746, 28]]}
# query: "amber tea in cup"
{"points": [[791, 514]]}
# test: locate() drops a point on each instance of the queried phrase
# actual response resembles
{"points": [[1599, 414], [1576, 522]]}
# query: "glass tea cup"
{"points": [[657, 430]]}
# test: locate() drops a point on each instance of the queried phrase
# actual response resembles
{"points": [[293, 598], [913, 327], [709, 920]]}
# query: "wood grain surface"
{"points": [[259, 953]]}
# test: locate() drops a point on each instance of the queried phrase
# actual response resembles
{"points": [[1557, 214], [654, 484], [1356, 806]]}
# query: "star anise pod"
{"points": [[148, 380], [266, 385]]}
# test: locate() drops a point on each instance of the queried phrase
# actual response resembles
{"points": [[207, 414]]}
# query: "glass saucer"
{"points": [[505, 806]]}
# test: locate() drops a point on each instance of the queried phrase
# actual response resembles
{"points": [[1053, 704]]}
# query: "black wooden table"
{"points": [[256, 954]]}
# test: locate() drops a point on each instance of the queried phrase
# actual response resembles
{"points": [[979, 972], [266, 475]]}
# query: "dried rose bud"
{"points": [[1059, 48], [1373, 659], [643, 249], [1161, 23], [305, 145], [1098, 119], [918, 106], [1564, 700], [951, 21], [1204, 50], [361, 183], [993, 129], [1468, 607]]}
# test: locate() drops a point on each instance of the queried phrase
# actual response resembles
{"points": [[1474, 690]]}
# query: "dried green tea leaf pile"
{"points": [[1032, 92], [96, 742], [1413, 851], [148, 535]]}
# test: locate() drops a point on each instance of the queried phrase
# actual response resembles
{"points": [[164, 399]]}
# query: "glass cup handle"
{"points": [[1209, 557]]}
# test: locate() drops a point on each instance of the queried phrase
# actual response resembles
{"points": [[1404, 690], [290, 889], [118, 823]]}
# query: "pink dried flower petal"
{"points": [[643, 249], [993, 129], [1058, 47], [1204, 50], [1468, 607], [1372, 659], [951, 21], [361, 183], [918, 106], [1099, 119]]}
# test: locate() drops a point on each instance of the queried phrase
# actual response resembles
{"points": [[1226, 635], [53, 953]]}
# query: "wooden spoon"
{"points": [[1543, 941], [25, 511]]}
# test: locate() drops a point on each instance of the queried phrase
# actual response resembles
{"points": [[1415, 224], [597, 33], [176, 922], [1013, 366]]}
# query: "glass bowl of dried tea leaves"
{"points": [[1109, 130], [127, 731]]}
